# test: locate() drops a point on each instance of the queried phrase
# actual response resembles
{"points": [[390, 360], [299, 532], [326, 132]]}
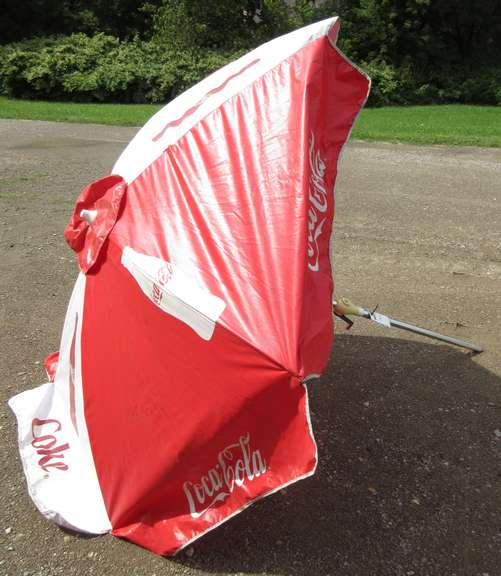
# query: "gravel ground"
{"points": [[409, 431]]}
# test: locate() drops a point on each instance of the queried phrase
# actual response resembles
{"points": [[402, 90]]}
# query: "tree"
{"points": [[232, 24], [29, 18], [218, 25]]}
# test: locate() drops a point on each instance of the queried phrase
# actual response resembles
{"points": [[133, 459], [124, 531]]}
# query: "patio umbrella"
{"points": [[203, 304]]}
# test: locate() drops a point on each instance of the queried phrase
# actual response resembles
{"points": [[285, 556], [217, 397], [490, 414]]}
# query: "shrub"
{"points": [[101, 68], [384, 83], [483, 88], [15, 61]]}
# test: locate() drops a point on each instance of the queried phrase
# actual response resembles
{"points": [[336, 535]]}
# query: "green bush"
{"points": [[15, 61], [484, 88], [384, 83], [100, 68]]}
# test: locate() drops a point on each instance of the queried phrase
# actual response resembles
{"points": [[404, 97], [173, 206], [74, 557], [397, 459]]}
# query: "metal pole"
{"points": [[435, 335], [344, 308]]}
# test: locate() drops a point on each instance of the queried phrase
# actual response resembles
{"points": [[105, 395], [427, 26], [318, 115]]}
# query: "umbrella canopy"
{"points": [[203, 304]]}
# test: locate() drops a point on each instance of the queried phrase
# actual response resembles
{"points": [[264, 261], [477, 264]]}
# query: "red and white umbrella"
{"points": [[203, 305]]}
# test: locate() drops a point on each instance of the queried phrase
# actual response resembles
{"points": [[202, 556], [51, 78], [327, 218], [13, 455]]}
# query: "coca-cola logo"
{"points": [[156, 294], [236, 465], [318, 204], [46, 444], [164, 274]]}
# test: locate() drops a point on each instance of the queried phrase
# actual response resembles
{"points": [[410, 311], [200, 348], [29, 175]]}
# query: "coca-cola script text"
{"points": [[46, 444], [318, 204], [236, 465]]}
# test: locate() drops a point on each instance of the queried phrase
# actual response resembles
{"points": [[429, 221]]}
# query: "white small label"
{"points": [[174, 291], [381, 319], [88, 215]]}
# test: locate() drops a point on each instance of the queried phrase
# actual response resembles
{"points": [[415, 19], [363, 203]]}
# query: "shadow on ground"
{"points": [[409, 480]]}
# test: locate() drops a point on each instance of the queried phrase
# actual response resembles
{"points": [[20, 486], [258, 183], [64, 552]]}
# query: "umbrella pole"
{"points": [[344, 308], [435, 335]]}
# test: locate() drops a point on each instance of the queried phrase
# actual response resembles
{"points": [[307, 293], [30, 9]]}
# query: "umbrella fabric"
{"points": [[202, 307]]}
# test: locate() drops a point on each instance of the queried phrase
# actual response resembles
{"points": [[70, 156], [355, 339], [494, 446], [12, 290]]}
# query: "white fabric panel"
{"points": [[142, 150], [53, 438]]}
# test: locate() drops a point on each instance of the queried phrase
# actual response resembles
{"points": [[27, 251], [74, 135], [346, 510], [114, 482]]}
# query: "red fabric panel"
{"points": [[162, 404], [105, 196], [50, 365]]}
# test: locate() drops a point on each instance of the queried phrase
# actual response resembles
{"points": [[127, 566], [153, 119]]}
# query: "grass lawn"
{"points": [[454, 124], [115, 114], [446, 124]]}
